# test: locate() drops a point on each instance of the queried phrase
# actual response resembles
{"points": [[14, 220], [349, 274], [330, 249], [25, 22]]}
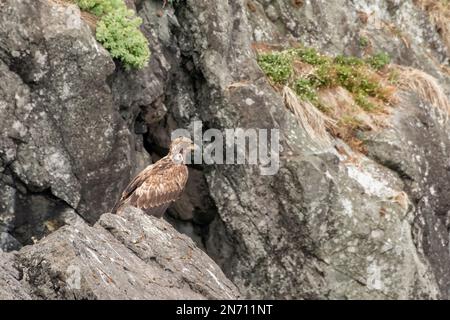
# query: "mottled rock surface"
{"points": [[397, 27], [63, 143], [132, 256], [11, 287], [330, 224], [416, 147]]}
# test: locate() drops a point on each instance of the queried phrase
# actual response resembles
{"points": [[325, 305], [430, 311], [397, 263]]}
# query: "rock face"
{"points": [[64, 146], [416, 148], [61, 135], [340, 26], [11, 287], [131, 256], [329, 224]]}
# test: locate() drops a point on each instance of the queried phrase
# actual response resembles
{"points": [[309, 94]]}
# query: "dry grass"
{"points": [[90, 19], [396, 32], [331, 110], [314, 122], [439, 12], [349, 118], [336, 109], [338, 101], [426, 86]]}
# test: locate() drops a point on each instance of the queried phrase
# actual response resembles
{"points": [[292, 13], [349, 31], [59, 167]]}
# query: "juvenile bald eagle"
{"points": [[161, 183]]}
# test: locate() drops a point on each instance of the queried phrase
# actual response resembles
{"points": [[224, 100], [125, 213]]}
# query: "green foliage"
{"points": [[354, 74], [325, 76], [306, 90], [363, 42], [101, 7], [362, 100], [346, 76], [277, 66], [379, 60], [307, 72], [355, 80], [119, 33], [311, 56], [348, 61]]}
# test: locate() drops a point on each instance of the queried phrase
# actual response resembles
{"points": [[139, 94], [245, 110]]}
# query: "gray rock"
{"points": [[397, 27], [11, 287], [330, 224], [8, 242], [272, 13], [325, 226], [416, 147], [132, 256], [63, 143]]}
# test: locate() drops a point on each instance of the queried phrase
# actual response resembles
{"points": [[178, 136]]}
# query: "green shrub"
{"points": [[306, 90], [362, 100], [311, 56], [308, 73], [363, 42], [348, 61], [379, 60], [277, 66], [101, 7], [346, 76], [356, 75], [325, 76], [119, 33]]}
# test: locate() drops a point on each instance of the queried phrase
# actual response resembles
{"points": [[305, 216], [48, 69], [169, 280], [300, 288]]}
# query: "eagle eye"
{"points": [[178, 158]]}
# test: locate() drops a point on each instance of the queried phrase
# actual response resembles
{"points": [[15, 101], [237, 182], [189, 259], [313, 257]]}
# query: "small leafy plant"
{"points": [[379, 60], [364, 42], [307, 73], [101, 7], [118, 31], [305, 89], [276, 66], [352, 73], [311, 56]]}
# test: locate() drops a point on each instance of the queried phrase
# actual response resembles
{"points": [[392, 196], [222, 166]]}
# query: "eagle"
{"points": [[159, 184]]}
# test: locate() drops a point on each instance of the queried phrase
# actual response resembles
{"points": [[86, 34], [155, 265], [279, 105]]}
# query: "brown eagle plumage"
{"points": [[160, 184]]}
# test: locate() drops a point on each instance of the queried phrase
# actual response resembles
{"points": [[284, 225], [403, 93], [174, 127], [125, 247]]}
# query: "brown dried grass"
{"points": [[425, 85], [349, 118], [439, 12], [314, 122]]}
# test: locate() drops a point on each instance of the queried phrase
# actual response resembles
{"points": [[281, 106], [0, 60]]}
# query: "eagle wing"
{"points": [[155, 188]]}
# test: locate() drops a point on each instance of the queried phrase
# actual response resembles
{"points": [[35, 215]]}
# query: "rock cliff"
{"points": [[332, 223], [131, 256]]}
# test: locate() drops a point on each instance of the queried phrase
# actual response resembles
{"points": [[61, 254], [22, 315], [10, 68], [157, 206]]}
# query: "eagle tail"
{"points": [[119, 204]]}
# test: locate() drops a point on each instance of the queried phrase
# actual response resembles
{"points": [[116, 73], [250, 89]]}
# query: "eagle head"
{"points": [[180, 148]]}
